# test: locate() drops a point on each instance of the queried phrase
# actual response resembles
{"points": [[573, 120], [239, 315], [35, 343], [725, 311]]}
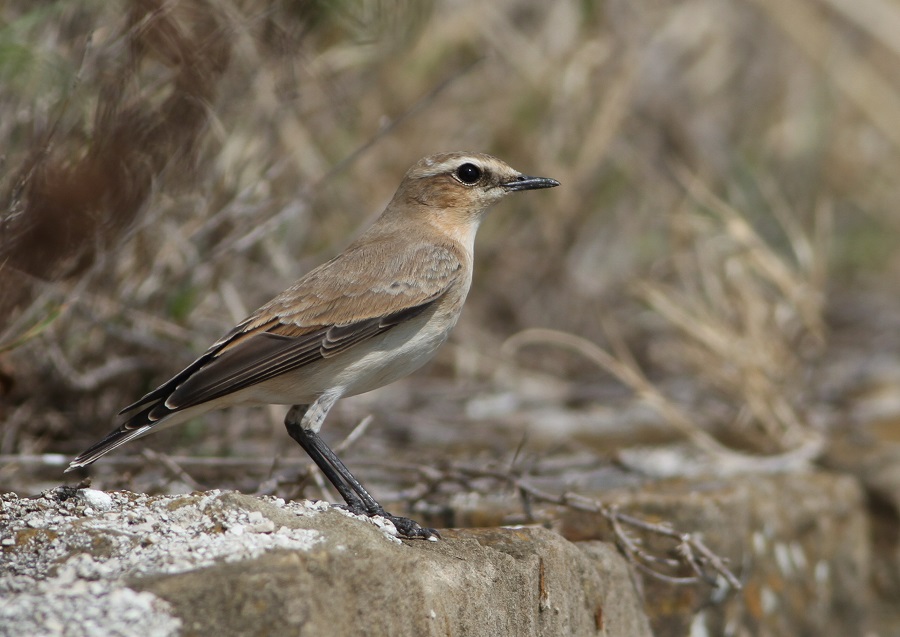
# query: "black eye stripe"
{"points": [[468, 173]]}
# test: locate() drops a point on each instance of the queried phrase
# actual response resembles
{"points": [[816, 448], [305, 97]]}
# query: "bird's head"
{"points": [[462, 185]]}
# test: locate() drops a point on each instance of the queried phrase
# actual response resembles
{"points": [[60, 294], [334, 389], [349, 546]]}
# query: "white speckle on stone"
{"points": [[316, 505], [759, 543], [266, 526], [698, 626], [99, 500], [433, 614], [769, 600], [384, 525], [783, 558], [822, 572], [258, 523], [798, 556], [721, 591], [55, 584], [55, 610], [140, 535]]}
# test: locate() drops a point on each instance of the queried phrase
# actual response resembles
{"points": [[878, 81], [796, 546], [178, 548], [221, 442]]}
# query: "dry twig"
{"points": [[688, 549], [173, 467]]}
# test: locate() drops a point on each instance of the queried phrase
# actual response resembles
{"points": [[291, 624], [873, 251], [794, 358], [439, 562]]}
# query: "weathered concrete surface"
{"points": [[227, 564]]}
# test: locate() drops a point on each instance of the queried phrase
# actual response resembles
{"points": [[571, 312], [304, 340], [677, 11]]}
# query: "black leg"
{"points": [[301, 435], [358, 499]]}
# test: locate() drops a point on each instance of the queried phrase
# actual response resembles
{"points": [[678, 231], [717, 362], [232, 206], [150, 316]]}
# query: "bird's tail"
{"points": [[146, 414], [139, 422], [115, 439]]}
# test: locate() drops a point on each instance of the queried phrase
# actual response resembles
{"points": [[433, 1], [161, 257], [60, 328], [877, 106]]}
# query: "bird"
{"points": [[371, 315]]}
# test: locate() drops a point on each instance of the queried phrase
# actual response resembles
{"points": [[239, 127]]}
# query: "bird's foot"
{"points": [[410, 528], [407, 528]]}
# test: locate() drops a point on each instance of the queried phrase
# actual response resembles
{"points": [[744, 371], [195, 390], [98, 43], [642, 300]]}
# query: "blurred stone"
{"points": [[799, 542], [875, 460]]}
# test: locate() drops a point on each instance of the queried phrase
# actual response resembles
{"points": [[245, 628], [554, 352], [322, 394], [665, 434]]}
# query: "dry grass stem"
{"points": [[860, 81], [625, 369], [173, 467]]}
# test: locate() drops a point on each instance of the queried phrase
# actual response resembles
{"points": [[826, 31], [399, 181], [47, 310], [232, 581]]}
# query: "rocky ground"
{"points": [[84, 562], [815, 551]]}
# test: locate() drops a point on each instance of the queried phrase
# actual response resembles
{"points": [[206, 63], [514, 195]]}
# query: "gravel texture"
{"points": [[69, 542]]}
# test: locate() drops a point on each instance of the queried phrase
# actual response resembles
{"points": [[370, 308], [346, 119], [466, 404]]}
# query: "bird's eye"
{"points": [[468, 173]]}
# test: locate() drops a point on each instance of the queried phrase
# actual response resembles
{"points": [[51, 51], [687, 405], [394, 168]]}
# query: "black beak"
{"points": [[524, 182]]}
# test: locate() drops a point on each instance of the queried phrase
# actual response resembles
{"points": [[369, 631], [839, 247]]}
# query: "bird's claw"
{"points": [[406, 527], [411, 529]]}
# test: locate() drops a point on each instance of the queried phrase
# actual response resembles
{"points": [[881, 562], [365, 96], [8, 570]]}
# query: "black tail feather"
{"points": [[137, 425]]}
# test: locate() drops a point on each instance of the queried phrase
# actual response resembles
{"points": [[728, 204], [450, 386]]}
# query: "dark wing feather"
{"points": [[267, 354]]}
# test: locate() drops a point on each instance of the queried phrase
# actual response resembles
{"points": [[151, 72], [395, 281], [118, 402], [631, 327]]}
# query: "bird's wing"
{"points": [[365, 291]]}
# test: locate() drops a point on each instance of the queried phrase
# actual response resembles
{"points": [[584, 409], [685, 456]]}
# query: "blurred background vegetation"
{"points": [[721, 257]]}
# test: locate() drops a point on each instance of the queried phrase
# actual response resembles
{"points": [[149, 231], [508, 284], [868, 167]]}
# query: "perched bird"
{"points": [[367, 317]]}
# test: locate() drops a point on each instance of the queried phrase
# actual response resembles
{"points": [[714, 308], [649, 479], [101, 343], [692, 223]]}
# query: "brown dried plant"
{"points": [[749, 323], [81, 185], [750, 316]]}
